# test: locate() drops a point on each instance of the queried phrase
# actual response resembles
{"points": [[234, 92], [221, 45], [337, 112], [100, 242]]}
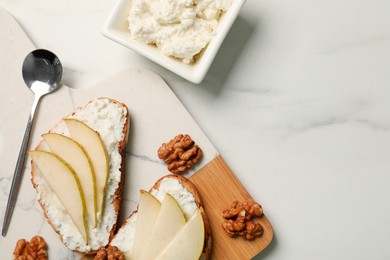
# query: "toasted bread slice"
{"points": [[110, 119], [185, 193]]}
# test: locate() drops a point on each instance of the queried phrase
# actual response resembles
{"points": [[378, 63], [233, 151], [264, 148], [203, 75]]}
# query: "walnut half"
{"points": [[180, 153], [238, 219], [109, 253], [36, 249]]}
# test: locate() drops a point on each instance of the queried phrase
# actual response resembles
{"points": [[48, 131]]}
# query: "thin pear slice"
{"points": [[75, 155], [65, 184], [148, 210], [92, 143], [188, 242], [169, 221]]}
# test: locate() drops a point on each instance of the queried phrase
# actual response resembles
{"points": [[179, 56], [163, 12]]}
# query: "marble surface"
{"points": [[296, 101]]}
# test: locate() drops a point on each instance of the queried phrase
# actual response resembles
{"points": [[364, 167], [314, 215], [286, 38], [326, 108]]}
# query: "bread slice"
{"points": [[111, 120], [186, 194]]}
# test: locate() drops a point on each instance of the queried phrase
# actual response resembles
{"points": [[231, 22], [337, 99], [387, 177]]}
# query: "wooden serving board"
{"points": [[156, 115], [219, 187]]}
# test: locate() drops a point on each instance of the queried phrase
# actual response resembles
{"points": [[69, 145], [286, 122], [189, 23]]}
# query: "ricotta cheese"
{"points": [[108, 119], [185, 198], [179, 28]]}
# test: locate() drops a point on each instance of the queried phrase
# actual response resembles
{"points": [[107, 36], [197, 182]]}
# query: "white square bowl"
{"points": [[116, 29]]}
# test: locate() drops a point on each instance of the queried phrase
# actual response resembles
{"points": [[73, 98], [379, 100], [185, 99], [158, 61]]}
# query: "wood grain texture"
{"points": [[219, 187]]}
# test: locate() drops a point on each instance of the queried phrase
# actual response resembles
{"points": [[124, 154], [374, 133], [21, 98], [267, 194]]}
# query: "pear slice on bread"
{"points": [[75, 156], [65, 184], [192, 236], [148, 210], [91, 141], [170, 219], [100, 186], [188, 243]]}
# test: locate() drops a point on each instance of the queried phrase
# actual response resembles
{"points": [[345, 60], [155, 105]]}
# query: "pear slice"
{"points": [[72, 152], [148, 210], [188, 242], [92, 143], [66, 185], [169, 221]]}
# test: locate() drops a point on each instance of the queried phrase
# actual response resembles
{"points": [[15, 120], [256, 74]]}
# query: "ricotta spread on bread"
{"points": [[185, 198], [124, 239], [110, 120], [179, 28]]}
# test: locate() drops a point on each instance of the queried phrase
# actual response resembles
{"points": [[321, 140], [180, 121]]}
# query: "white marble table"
{"points": [[297, 101]]}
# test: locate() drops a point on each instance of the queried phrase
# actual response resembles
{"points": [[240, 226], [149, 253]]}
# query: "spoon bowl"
{"points": [[42, 72], [42, 66]]}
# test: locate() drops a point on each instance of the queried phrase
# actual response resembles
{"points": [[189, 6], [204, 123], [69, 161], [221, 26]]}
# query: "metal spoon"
{"points": [[42, 72]]}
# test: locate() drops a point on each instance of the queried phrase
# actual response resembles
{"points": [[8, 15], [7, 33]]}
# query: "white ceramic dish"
{"points": [[116, 29]]}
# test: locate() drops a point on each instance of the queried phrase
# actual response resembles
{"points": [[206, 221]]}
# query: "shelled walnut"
{"points": [[180, 153], [35, 249], [109, 253], [238, 219]]}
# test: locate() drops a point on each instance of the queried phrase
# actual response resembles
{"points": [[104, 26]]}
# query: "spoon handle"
{"points": [[19, 168]]}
